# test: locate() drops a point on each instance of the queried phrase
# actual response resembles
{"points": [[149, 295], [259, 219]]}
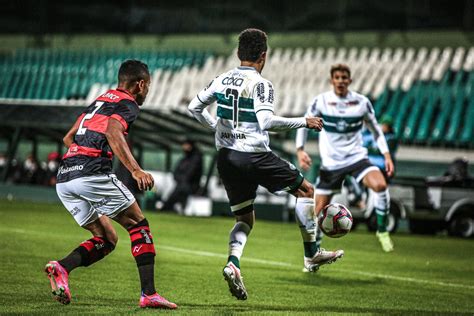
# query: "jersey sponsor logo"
{"points": [[340, 104], [261, 92], [232, 81], [271, 93], [110, 95], [233, 135], [63, 170]]}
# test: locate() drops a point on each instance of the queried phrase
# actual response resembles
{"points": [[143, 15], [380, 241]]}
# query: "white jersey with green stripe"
{"points": [[340, 141], [240, 93]]}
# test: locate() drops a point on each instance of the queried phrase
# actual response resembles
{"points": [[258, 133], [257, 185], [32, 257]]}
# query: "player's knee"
{"points": [[380, 186], [247, 218]]}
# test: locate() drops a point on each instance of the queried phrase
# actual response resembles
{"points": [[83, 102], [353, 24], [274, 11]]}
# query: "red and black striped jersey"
{"points": [[90, 153]]}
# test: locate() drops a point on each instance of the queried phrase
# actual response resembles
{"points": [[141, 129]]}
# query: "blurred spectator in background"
{"points": [[375, 157], [187, 175], [51, 168], [3, 163], [31, 171]]}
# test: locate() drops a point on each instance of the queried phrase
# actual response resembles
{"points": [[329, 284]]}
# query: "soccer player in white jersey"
{"points": [[245, 114], [340, 145]]}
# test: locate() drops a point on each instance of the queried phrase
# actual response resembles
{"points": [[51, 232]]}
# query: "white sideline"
{"points": [[277, 263]]}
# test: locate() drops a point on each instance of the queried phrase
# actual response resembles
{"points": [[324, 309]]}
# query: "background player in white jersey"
{"points": [[245, 106], [340, 145]]}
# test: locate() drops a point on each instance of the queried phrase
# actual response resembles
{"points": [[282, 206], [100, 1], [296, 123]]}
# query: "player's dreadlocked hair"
{"points": [[340, 67], [133, 70], [252, 43]]}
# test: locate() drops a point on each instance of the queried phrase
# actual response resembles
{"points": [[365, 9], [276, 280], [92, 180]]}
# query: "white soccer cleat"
{"points": [[234, 280], [321, 257]]}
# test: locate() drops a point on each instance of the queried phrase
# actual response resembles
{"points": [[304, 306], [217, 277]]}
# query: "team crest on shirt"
{"points": [[341, 125]]}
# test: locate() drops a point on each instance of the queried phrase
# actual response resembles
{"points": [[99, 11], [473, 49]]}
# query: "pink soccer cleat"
{"points": [[156, 301], [58, 277]]}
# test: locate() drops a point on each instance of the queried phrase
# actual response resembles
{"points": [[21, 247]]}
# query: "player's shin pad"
{"points": [[304, 214], [143, 248], [94, 249]]}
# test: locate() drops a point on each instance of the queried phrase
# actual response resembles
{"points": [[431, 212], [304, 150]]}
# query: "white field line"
{"points": [[275, 263]]}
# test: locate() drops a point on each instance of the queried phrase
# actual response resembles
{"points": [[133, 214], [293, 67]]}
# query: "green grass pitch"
{"points": [[425, 275]]}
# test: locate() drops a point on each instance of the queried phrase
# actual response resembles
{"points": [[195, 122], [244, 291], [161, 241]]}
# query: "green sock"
{"points": [[310, 248], [234, 260], [381, 220]]}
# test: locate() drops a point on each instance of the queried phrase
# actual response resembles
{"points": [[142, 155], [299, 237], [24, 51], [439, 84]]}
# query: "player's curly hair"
{"points": [[133, 70], [340, 67], [252, 43]]}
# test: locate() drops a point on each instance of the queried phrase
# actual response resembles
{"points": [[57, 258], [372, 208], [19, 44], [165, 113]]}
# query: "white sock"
{"points": [[238, 238], [304, 213]]}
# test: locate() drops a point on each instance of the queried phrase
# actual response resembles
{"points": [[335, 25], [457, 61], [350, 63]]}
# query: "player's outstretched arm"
{"points": [[315, 123], [117, 142], [269, 122]]}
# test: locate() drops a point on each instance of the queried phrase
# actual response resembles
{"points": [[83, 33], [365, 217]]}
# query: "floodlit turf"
{"points": [[425, 275]]}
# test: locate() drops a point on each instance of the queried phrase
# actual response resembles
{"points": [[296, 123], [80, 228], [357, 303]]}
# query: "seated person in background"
{"points": [[51, 168], [375, 157], [457, 175], [187, 175]]}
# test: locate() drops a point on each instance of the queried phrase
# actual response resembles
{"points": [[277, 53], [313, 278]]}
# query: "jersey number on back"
{"points": [[82, 130], [233, 96]]}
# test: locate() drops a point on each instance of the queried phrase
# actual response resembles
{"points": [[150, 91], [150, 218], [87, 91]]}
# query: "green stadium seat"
{"points": [[427, 115], [456, 117], [467, 131], [401, 111], [418, 104]]}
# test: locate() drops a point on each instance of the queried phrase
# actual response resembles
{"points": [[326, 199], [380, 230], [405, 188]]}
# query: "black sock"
{"points": [[147, 277], [72, 261]]}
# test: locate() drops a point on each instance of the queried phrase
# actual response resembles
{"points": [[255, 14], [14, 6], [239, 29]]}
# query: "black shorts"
{"points": [[242, 173], [330, 181]]}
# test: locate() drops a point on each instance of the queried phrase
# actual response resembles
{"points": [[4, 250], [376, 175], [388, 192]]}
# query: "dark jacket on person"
{"points": [[189, 170]]}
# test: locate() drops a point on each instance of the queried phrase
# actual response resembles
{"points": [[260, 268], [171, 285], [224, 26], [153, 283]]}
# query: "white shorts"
{"points": [[88, 198]]}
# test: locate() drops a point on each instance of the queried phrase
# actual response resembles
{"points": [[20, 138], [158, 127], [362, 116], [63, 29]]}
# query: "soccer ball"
{"points": [[335, 220]]}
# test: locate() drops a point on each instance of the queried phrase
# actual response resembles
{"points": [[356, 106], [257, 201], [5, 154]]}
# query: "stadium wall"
{"points": [[224, 44]]}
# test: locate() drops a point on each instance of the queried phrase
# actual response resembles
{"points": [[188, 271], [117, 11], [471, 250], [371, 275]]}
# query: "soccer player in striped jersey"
{"points": [[93, 194], [340, 145], [245, 114]]}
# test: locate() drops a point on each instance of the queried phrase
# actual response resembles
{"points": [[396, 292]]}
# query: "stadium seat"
{"points": [[426, 91]]}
